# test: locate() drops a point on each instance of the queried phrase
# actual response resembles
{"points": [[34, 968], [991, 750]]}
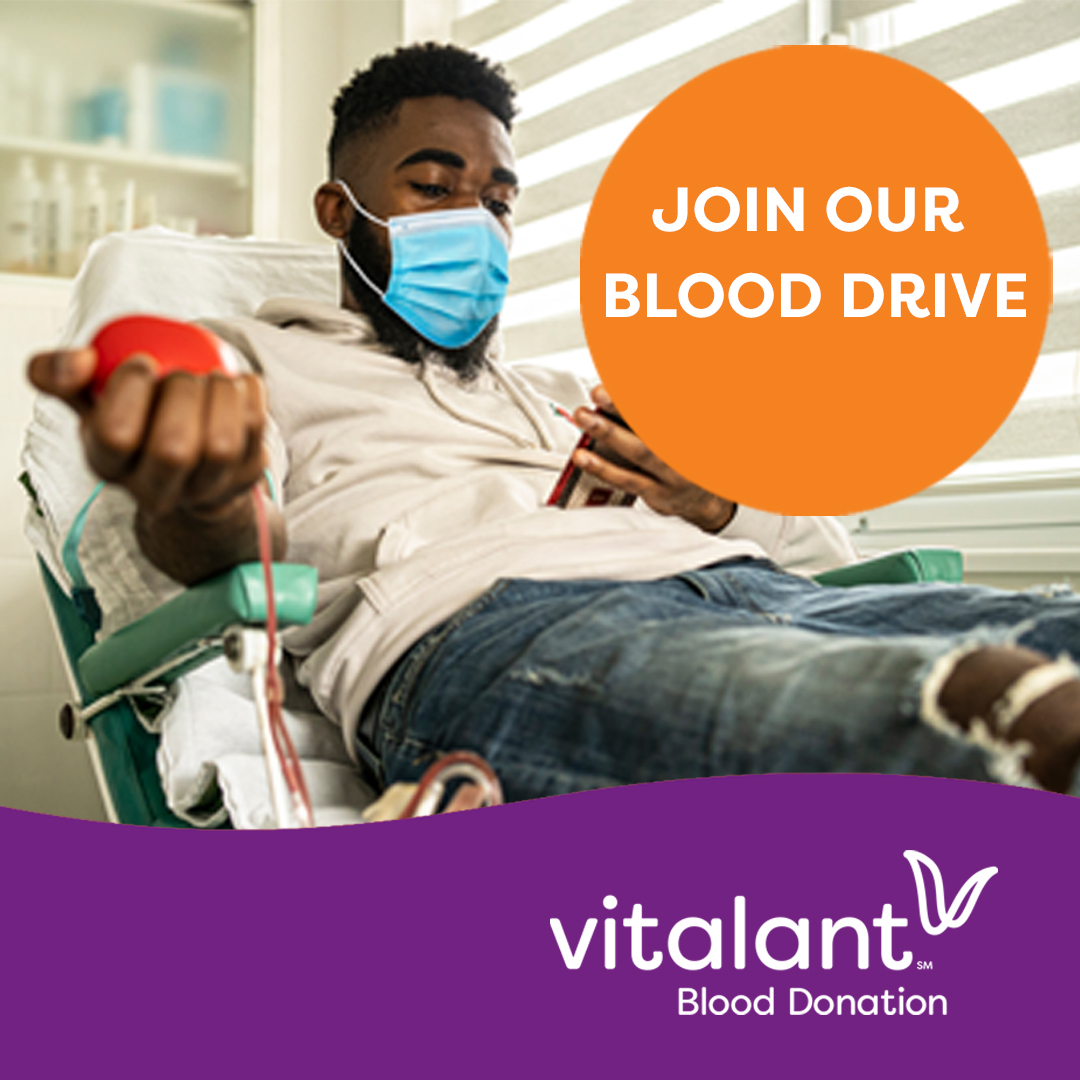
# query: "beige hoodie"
{"points": [[412, 493]]}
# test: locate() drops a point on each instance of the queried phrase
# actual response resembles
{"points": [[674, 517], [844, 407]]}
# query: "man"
{"points": [[573, 648]]}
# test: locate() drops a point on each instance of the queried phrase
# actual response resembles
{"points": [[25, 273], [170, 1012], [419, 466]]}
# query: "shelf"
{"points": [[50, 282], [121, 157], [233, 14]]}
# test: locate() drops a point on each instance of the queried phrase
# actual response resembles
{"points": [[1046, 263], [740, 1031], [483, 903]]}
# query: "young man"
{"points": [[573, 648]]}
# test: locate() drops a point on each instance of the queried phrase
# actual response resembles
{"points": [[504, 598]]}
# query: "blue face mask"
{"points": [[448, 271]]}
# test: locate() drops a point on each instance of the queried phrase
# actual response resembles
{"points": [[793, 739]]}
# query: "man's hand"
{"points": [[188, 449], [659, 486]]}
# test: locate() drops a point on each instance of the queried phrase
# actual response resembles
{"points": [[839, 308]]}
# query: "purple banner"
{"points": [[750, 926]]}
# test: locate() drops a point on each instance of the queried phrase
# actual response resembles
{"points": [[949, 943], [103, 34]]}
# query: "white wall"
{"points": [[305, 51], [38, 769]]}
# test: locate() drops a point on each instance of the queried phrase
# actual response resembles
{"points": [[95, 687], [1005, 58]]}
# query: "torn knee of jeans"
{"points": [[1005, 760], [547, 676], [780, 619], [1050, 592]]}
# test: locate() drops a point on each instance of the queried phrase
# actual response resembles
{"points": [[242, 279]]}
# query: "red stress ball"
{"points": [[173, 346]]}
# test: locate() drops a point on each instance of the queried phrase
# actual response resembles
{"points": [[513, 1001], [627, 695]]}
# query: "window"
{"points": [[1013, 509], [589, 69]]}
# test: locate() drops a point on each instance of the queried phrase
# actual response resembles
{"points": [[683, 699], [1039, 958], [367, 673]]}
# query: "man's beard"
{"points": [[390, 328]]}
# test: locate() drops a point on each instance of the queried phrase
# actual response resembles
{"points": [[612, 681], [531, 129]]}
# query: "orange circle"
{"points": [[828, 412]]}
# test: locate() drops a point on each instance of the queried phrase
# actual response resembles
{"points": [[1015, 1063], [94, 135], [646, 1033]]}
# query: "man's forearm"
{"points": [[190, 547]]}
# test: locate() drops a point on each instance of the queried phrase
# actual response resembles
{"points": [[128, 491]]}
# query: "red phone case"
{"points": [[576, 488]]}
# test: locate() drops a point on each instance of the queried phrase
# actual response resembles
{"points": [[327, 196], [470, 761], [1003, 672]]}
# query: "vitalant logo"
{"points": [[954, 915], [947, 917]]}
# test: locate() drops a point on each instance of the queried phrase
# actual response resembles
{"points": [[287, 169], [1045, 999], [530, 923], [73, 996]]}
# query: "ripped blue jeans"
{"points": [[735, 668]]}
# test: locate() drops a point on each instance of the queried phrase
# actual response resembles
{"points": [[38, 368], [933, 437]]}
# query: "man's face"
{"points": [[436, 153]]}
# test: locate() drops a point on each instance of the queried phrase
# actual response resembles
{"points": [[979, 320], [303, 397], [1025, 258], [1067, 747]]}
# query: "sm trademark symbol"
{"points": [[925, 965]]}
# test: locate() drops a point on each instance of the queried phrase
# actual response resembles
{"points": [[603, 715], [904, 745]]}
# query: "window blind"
{"points": [[1019, 64], [1013, 507], [587, 71]]}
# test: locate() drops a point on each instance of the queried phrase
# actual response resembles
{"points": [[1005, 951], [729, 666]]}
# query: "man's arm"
{"points": [[804, 545], [188, 449]]}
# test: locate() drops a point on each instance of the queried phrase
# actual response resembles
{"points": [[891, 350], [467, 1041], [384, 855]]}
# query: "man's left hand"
{"points": [[663, 489]]}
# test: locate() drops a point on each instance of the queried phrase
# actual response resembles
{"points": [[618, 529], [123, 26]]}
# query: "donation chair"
{"points": [[169, 725]]}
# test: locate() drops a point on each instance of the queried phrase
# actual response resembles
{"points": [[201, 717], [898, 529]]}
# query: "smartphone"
{"points": [[576, 488]]}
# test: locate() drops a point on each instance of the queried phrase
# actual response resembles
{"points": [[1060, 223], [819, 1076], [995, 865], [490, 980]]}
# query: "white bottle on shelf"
{"points": [[146, 210], [122, 217], [22, 220], [90, 213], [59, 252]]}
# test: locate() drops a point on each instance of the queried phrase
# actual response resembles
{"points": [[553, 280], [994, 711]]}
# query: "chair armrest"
{"points": [[202, 611], [900, 568]]}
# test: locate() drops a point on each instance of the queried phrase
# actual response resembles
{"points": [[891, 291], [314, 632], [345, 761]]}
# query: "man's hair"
{"points": [[370, 99]]}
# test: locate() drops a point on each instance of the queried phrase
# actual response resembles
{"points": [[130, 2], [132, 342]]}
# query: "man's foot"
{"points": [[978, 688]]}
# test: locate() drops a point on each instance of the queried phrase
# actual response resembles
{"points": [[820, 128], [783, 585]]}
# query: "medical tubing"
{"points": [[283, 744], [280, 797], [457, 765], [69, 550]]}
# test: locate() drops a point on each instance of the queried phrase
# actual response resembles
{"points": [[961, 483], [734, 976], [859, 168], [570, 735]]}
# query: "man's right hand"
{"points": [[188, 448]]}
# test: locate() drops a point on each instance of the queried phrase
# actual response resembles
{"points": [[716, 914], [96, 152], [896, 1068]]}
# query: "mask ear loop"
{"points": [[343, 247]]}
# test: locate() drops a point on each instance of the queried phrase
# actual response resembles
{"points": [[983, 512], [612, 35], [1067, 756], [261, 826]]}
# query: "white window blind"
{"points": [[1015, 507], [588, 70]]}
